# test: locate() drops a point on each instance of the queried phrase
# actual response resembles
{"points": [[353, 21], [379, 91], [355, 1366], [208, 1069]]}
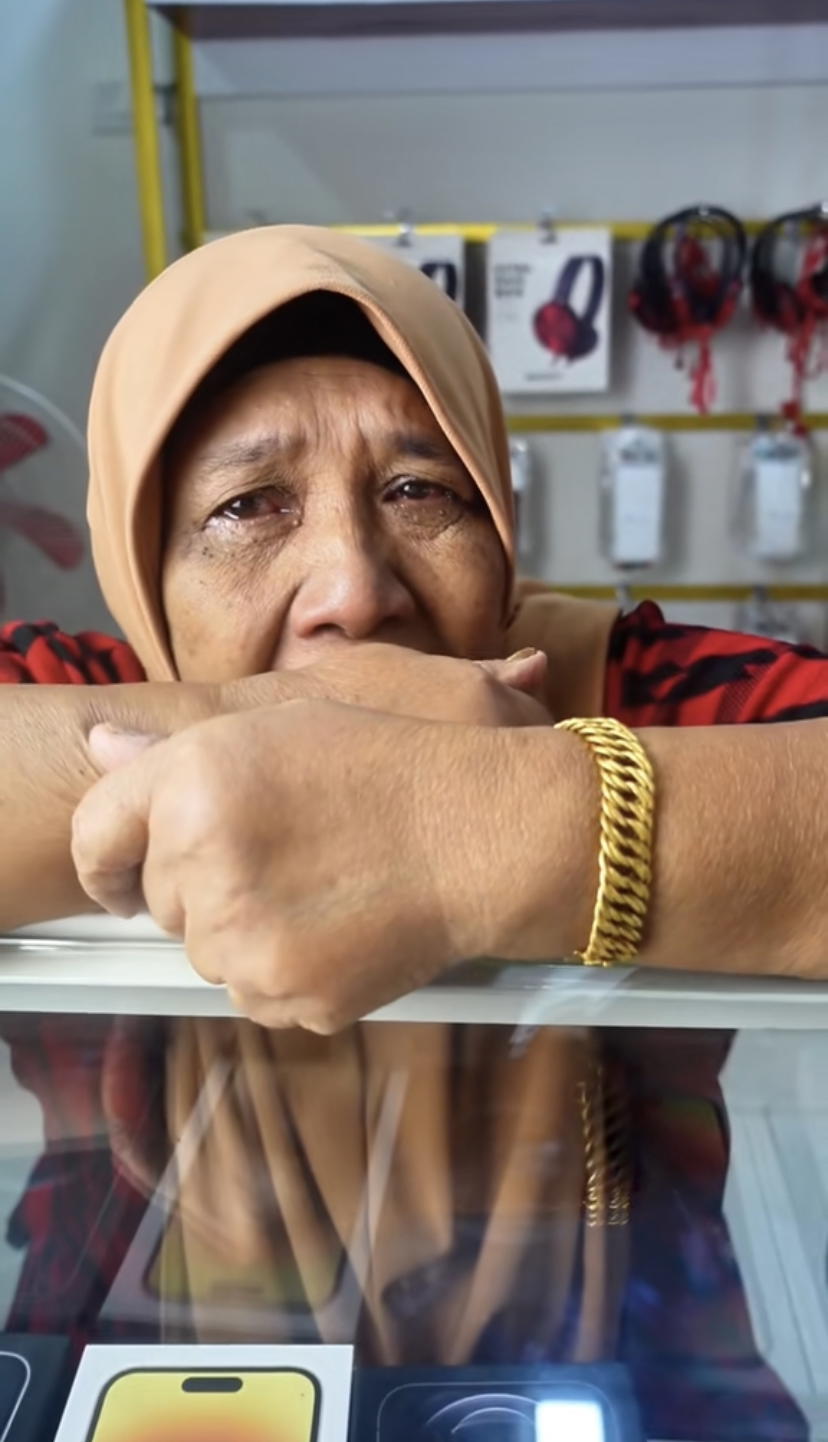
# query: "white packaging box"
{"points": [[252, 1394], [532, 282]]}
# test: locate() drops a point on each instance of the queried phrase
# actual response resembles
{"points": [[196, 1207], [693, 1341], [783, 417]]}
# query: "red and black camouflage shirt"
{"points": [[658, 674]]}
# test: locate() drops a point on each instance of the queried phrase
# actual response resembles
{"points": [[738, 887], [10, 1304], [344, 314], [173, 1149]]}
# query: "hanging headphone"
{"points": [[679, 286], [558, 326], [682, 292], [781, 302], [795, 304]]}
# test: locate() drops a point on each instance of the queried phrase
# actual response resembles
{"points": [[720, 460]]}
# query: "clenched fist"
{"points": [[318, 859]]}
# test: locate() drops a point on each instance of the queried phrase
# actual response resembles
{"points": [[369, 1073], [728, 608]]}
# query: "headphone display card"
{"points": [[440, 257], [179, 1393], [549, 310]]}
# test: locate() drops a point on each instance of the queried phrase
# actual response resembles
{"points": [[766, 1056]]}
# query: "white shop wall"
{"points": [[70, 245], [592, 155], [463, 155]]}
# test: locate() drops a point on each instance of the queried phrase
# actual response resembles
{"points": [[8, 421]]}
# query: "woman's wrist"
{"points": [[559, 794], [157, 707], [533, 890]]}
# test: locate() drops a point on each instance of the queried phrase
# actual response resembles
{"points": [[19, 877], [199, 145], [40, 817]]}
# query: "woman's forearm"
{"points": [[45, 770], [741, 848]]}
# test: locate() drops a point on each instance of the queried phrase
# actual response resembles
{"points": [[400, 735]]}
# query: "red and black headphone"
{"points": [[794, 299], [689, 279], [558, 326]]}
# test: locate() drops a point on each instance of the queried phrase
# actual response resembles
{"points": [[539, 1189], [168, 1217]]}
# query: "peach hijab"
{"points": [[183, 322], [411, 1186]]}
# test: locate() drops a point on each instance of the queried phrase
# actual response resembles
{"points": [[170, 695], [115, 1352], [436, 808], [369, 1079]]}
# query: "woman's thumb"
{"points": [[526, 671], [112, 747]]}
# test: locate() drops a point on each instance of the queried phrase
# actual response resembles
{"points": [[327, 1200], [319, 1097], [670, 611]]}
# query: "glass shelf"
{"points": [[99, 965]]}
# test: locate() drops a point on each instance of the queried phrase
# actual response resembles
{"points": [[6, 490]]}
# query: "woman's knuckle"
{"points": [[169, 916], [204, 964], [323, 1021], [195, 766], [481, 694], [81, 835]]}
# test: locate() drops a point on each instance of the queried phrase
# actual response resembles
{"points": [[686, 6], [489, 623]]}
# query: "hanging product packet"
{"points": [[548, 310], [440, 257]]}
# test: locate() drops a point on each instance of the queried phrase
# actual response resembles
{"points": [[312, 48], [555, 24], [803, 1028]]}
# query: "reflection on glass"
{"points": [[444, 1197]]}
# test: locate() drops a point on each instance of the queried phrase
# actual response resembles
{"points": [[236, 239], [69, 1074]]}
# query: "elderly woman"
{"points": [[297, 449], [319, 771]]}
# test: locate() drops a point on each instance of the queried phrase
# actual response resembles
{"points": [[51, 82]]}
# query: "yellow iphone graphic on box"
{"points": [[258, 1404], [210, 1392]]}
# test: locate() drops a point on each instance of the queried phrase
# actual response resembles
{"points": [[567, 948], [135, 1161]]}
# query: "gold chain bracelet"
{"points": [[625, 854]]}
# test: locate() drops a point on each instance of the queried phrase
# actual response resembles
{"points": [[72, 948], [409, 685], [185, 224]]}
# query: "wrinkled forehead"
{"points": [[303, 399], [320, 326], [319, 419]]}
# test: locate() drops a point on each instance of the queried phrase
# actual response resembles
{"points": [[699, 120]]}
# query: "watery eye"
{"points": [[254, 505], [415, 490]]}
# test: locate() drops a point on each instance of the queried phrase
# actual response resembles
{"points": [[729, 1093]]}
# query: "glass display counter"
{"points": [[520, 1168]]}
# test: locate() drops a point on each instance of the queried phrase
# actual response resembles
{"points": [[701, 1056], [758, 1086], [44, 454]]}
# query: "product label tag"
{"points": [[778, 508], [636, 513], [440, 257], [548, 308]]}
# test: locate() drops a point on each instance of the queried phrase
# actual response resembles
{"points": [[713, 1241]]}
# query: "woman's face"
{"points": [[316, 503]]}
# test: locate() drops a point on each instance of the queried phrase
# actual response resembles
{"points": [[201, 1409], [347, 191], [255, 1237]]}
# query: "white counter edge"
{"points": [[48, 974]]}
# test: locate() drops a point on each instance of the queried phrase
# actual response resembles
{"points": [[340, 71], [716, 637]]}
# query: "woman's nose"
{"points": [[349, 587]]}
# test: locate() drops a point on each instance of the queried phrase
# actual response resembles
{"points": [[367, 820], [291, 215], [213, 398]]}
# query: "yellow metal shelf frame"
{"points": [[704, 594], [148, 157], [155, 241], [147, 146], [151, 199], [188, 126], [481, 231], [562, 422]]}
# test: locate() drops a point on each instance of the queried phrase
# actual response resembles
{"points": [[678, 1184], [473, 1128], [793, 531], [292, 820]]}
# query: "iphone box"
{"points": [[541, 1403], [249, 1394], [34, 1379]]}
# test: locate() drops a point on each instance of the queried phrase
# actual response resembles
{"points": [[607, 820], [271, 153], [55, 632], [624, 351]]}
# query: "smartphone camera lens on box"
{"points": [[495, 1404]]}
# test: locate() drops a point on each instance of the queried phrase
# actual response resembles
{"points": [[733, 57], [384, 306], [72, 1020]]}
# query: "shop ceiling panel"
{"points": [[455, 64], [223, 18]]}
